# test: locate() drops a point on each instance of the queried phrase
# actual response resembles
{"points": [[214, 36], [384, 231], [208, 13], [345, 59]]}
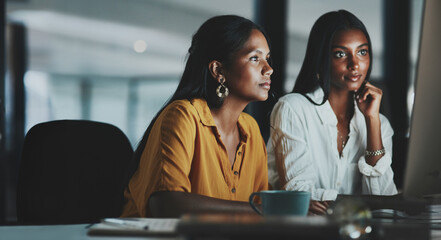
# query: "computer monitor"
{"points": [[422, 177]]}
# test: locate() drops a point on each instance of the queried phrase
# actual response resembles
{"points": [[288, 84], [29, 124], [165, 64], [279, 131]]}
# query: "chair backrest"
{"points": [[72, 171]]}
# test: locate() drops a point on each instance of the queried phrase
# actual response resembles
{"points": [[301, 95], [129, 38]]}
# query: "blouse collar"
{"points": [[327, 115], [204, 113]]}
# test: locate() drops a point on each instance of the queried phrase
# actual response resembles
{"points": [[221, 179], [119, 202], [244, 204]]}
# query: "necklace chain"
{"points": [[344, 140]]}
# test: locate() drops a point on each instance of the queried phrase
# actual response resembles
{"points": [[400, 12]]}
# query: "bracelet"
{"points": [[375, 153]]}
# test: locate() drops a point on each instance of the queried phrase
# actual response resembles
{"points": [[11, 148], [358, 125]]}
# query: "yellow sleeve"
{"points": [[177, 140], [166, 160]]}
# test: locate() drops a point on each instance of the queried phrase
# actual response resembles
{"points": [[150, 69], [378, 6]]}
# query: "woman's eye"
{"points": [[255, 59], [339, 54], [363, 52]]}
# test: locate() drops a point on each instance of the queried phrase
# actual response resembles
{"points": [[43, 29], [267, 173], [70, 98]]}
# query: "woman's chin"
{"points": [[353, 87], [262, 96]]}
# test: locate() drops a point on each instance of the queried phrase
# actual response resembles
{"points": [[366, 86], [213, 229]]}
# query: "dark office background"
{"points": [[124, 80]]}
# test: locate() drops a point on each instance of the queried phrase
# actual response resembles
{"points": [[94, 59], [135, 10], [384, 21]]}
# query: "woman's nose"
{"points": [[353, 63], [267, 70]]}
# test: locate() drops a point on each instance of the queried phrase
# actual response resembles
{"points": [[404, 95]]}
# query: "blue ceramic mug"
{"points": [[280, 202]]}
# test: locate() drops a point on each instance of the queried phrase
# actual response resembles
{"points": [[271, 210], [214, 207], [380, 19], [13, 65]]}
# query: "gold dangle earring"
{"points": [[222, 90]]}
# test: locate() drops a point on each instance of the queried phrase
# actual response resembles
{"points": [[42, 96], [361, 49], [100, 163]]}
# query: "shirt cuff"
{"points": [[329, 195], [375, 171], [324, 194]]}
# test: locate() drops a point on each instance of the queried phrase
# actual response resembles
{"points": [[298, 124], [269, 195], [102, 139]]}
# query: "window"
{"points": [[111, 61]]}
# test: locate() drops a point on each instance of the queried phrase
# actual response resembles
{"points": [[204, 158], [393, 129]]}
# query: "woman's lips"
{"points": [[354, 78], [266, 84]]}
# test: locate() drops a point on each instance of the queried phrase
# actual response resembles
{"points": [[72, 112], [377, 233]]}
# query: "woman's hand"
{"points": [[369, 100], [318, 207]]}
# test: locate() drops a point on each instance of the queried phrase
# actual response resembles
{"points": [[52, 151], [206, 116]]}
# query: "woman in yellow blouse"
{"points": [[201, 152]]}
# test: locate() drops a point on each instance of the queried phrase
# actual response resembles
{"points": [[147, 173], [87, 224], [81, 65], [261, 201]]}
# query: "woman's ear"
{"points": [[216, 71]]}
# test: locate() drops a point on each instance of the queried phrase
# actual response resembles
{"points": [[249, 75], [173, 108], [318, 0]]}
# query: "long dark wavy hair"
{"points": [[219, 38], [316, 68]]}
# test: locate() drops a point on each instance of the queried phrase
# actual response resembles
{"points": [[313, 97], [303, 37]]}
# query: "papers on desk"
{"points": [[134, 227]]}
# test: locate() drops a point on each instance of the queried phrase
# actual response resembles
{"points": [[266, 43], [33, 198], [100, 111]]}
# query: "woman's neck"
{"points": [[227, 115], [342, 103]]}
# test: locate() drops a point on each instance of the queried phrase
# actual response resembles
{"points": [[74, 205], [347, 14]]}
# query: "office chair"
{"points": [[72, 171]]}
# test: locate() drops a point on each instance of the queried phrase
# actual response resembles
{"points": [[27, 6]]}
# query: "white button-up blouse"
{"points": [[303, 154]]}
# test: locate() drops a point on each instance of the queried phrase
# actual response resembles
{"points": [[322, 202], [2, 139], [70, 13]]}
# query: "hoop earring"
{"points": [[222, 91]]}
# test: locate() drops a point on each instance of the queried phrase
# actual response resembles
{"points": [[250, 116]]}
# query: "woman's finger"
{"points": [[317, 207], [369, 91]]}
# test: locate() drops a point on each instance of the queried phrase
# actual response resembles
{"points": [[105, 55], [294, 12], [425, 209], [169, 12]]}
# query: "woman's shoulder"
{"points": [[248, 121], [294, 98], [249, 124], [178, 114], [251, 128], [293, 102], [178, 109], [179, 105]]}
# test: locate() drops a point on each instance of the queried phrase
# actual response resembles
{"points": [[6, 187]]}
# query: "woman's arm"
{"points": [[377, 171], [369, 101], [174, 204]]}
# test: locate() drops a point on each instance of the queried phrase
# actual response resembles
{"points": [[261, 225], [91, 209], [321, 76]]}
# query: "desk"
{"points": [[79, 232], [57, 232]]}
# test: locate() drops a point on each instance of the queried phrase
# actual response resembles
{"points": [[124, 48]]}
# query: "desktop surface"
{"points": [[392, 231]]}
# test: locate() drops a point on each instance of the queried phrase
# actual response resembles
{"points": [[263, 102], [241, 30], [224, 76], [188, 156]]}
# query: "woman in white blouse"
{"points": [[327, 136]]}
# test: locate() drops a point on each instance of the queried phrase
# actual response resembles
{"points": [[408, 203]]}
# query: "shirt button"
{"points": [[239, 153], [236, 173], [233, 190]]}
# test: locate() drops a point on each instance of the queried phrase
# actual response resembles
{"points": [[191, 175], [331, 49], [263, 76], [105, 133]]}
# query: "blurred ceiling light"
{"points": [[140, 46]]}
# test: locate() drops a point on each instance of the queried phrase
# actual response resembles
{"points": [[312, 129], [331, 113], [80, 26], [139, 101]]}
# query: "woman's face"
{"points": [[248, 74], [349, 59]]}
